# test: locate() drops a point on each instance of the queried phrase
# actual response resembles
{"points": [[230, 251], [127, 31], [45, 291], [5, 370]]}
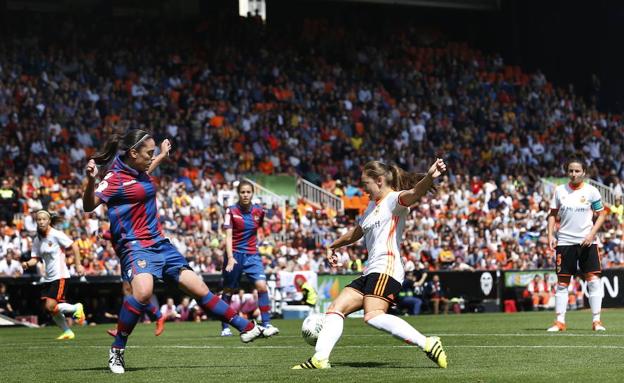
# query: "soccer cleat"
{"points": [[112, 332], [270, 330], [249, 336], [160, 326], [434, 351], [79, 314], [597, 326], [557, 327], [313, 364], [226, 332], [66, 335], [116, 361]]}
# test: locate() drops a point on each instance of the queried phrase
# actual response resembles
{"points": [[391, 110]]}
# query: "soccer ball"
{"points": [[311, 328]]}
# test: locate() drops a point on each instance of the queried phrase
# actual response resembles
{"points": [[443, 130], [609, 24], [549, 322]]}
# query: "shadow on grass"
{"points": [[376, 365]]}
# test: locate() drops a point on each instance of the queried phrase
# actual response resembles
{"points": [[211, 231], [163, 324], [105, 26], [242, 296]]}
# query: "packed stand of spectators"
{"points": [[316, 101]]}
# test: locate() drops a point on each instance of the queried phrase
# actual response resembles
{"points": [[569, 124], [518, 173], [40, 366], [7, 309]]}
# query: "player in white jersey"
{"points": [[49, 246], [574, 204], [391, 191]]}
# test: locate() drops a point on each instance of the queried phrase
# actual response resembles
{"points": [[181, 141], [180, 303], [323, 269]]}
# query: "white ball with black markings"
{"points": [[311, 328]]}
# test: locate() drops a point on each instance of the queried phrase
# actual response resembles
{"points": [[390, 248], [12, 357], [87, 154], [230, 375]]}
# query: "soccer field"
{"points": [[480, 348]]}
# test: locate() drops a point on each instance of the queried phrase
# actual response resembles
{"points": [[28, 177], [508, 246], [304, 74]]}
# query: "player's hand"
{"points": [[165, 147], [92, 169], [230, 265], [588, 240], [332, 258], [552, 242], [25, 265], [437, 169]]}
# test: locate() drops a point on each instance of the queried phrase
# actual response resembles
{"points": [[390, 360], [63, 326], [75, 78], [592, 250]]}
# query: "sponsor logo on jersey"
{"points": [[142, 263], [128, 183]]}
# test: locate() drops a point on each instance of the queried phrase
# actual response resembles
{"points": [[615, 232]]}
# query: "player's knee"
{"points": [[50, 307], [563, 280], [261, 287], [372, 314], [590, 277], [142, 295]]}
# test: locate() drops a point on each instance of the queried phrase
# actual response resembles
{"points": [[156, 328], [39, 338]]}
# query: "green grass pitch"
{"points": [[480, 348]]}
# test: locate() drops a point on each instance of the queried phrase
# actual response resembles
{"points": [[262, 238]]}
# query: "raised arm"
{"points": [[89, 200], [410, 197], [165, 147]]}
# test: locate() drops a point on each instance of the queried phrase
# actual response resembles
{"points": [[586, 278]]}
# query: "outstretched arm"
{"points": [[346, 239], [410, 197]]}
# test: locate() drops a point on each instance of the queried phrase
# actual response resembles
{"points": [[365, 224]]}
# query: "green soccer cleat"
{"points": [[313, 364], [66, 335], [79, 314], [434, 351]]}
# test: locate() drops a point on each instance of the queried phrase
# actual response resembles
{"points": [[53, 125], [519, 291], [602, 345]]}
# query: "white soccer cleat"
{"points": [[251, 335], [597, 326], [269, 331], [557, 327], [226, 332], [116, 361]]}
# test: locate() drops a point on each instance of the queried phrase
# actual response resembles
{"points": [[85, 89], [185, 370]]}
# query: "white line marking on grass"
{"points": [[459, 335], [207, 347]]}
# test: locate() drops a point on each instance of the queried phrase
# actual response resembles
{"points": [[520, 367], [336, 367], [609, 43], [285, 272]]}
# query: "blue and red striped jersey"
{"points": [[132, 212], [244, 225]]}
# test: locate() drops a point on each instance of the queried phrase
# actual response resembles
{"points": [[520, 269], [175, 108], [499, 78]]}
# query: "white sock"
{"points": [[399, 329], [595, 292], [60, 321], [329, 336], [561, 302], [67, 308]]}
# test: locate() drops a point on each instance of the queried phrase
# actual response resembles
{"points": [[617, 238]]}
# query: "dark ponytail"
{"points": [[118, 142], [396, 178], [402, 180]]}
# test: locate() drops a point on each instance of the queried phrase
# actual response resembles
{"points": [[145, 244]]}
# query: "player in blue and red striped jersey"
{"points": [[130, 194], [241, 225]]}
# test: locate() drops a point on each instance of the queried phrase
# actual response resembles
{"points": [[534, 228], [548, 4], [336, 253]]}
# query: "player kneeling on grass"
{"points": [[48, 246], [575, 245], [382, 227]]}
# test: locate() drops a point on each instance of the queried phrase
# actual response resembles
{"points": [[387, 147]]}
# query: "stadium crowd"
{"points": [[246, 98]]}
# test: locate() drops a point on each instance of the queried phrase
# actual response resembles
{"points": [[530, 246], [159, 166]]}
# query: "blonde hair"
{"points": [[396, 178]]}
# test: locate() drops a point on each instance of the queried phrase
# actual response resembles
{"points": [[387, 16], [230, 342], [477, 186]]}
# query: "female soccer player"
{"points": [[381, 226], [241, 225], [48, 246], [130, 194], [575, 204]]}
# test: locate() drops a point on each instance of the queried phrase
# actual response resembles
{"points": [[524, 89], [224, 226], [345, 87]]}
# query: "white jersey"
{"points": [[51, 250], [576, 209], [383, 225]]}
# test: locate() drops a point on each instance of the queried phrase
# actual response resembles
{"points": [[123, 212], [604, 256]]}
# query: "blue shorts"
{"points": [[250, 264], [162, 260]]}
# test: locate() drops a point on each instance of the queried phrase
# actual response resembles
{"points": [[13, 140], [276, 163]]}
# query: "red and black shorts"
{"points": [[54, 290], [570, 258], [377, 285]]}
